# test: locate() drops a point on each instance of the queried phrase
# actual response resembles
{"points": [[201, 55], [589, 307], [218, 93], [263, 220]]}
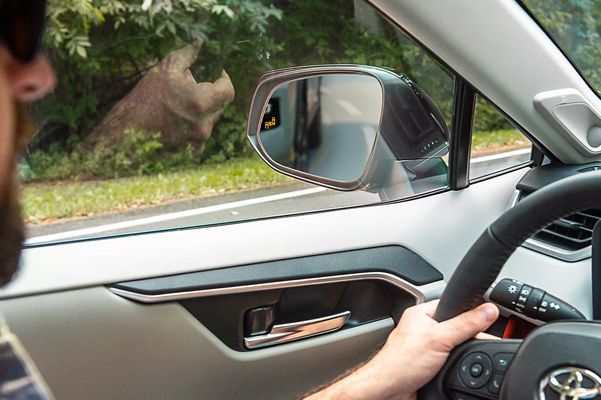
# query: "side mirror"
{"points": [[348, 127]]}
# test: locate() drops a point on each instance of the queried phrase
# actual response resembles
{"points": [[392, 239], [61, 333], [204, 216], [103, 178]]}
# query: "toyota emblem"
{"points": [[570, 383]]}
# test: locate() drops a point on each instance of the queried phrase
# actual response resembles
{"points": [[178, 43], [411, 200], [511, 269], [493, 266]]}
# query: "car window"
{"points": [[574, 25], [146, 129], [496, 143]]}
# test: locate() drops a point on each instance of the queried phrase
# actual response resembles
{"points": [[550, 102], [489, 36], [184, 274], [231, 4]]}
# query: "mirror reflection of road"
{"points": [[345, 100], [350, 108], [286, 199]]}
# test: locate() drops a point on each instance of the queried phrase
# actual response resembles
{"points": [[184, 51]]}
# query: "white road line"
{"points": [[170, 216], [501, 155], [348, 107]]}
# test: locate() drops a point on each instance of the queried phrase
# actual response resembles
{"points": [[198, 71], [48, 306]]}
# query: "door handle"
{"points": [[297, 330]]}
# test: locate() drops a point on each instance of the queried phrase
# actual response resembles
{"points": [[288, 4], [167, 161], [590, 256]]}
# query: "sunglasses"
{"points": [[22, 26]]}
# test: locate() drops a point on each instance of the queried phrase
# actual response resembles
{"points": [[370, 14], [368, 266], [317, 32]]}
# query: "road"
{"points": [[241, 206], [247, 205]]}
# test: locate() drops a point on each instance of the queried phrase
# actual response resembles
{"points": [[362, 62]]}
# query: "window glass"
{"points": [[574, 25], [146, 129], [496, 143]]}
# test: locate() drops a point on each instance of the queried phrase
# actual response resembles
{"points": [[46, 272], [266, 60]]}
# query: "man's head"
{"points": [[25, 75]]}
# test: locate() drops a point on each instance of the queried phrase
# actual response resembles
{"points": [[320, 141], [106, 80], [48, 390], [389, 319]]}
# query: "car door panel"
{"points": [[93, 344], [439, 228], [367, 284], [391, 260]]}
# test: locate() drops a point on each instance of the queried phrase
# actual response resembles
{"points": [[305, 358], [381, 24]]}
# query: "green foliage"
{"points": [[487, 118], [138, 152], [312, 31], [241, 46], [575, 25], [229, 138], [101, 48]]}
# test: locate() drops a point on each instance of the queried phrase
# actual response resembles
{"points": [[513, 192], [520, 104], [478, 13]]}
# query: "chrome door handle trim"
{"points": [[298, 330]]}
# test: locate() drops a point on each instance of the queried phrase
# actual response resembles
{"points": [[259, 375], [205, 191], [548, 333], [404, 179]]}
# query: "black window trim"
{"points": [[462, 117]]}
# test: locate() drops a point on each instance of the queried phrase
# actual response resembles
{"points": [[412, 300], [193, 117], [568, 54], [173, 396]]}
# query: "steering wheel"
{"points": [[557, 360]]}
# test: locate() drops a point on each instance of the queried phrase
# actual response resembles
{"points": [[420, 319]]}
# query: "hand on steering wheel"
{"points": [[556, 360], [419, 346], [414, 352]]}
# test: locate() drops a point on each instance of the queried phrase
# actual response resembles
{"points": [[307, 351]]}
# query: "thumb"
{"points": [[467, 325]]}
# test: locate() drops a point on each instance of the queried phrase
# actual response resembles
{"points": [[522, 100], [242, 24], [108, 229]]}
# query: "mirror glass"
{"points": [[323, 125]]}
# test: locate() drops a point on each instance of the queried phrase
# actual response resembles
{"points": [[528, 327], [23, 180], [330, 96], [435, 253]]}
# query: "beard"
{"points": [[12, 231], [12, 228]]}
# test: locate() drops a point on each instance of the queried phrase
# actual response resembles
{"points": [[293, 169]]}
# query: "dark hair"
{"points": [[21, 27]]}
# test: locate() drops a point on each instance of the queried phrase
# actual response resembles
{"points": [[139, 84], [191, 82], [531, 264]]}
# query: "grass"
{"points": [[46, 202]]}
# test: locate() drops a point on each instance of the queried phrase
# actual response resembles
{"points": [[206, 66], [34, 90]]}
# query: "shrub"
{"points": [[228, 138], [138, 152]]}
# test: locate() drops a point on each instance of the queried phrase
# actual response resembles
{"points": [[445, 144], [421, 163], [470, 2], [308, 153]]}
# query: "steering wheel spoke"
{"points": [[474, 370]]}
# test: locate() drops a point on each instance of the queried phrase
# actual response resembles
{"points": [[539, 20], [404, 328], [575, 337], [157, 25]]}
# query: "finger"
{"points": [[486, 336], [465, 326], [180, 60], [429, 308]]}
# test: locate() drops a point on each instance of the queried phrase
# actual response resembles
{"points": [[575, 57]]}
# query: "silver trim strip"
{"points": [[298, 330], [514, 198], [565, 255], [550, 250], [382, 276]]}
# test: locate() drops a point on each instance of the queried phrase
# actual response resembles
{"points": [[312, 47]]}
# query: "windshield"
{"points": [[575, 27]]}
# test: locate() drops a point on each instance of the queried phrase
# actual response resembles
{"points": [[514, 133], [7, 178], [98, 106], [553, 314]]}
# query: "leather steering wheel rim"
{"points": [[482, 263]]}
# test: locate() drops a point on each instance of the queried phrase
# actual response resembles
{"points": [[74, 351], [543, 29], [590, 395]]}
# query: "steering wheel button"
{"points": [[502, 361], [495, 385], [476, 370]]}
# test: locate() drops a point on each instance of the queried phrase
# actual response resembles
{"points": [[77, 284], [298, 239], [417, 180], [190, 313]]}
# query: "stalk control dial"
{"points": [[532, 302]]}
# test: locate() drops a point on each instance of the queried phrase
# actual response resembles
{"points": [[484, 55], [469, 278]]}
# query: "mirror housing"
{"points": [[411, 134]]}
